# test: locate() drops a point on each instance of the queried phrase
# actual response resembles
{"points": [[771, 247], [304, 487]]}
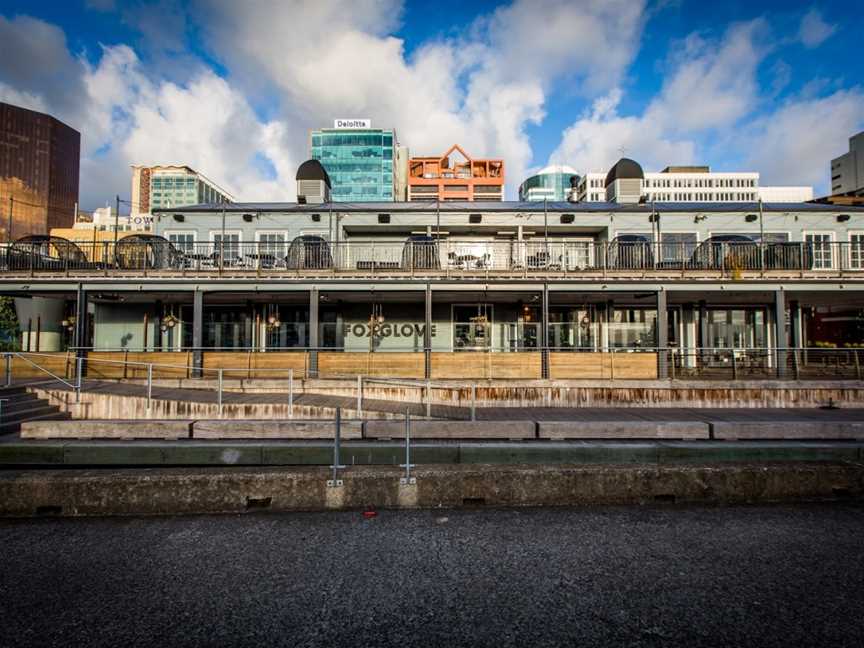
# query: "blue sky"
{"points": [[232, 88]]}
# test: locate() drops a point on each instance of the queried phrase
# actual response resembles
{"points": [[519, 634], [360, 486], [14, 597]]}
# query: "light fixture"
{"points": [[751, 218], [68, 322], [698, 218], [842, 218]]}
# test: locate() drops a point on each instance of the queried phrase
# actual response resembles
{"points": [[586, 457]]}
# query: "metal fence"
{"points": [[447, 256]]}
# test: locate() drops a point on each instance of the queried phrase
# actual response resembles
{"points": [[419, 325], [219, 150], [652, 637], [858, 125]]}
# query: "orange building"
{"points": [[440, 178]]}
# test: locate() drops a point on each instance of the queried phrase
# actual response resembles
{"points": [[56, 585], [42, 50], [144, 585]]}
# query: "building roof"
{"points": [[625, 169], [557, 168], [421, 206], [313, 170]]}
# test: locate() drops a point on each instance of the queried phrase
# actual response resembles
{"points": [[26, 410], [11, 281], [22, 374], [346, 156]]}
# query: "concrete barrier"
{"points": [[78, 429], [172, 491], [623, 430], [452, 430], [274, 429], [752, 430]]}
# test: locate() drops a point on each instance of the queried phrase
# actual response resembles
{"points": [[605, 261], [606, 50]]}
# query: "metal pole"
{"points": [[437, 215], [149, 384], [80, 362], [116, 225], [761, 239], [8, 369], [9, 231], [473, 402], [222, 240], [408, 479], [220, 391], [290, 393], [428, 399], [337, 435], [359, 395]]}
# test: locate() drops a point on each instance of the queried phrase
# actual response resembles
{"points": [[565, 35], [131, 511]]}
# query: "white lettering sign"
{"points": [[352, 123]]}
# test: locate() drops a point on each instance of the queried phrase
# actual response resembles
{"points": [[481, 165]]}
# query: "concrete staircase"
{"points": [[19, 406]]}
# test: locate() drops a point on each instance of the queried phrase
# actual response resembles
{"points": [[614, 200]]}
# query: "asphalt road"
{"points": [[766, 576]]}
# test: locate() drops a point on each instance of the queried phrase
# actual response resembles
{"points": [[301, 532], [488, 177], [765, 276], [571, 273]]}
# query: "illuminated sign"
{"points": [[388, 330]]}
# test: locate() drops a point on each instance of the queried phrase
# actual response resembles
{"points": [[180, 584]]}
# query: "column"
{"points": [[427, 334], [544, 334], [81, 328], [795, 324], [197, 332], [313, 333], [662, 336], [702, 355], [780, 342]]}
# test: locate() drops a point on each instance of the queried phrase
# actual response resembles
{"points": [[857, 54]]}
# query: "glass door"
{"points": [[472, 327]]}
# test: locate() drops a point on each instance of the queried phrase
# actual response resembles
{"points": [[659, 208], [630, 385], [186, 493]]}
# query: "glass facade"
{"points": [[177, 189], [358, 161], [550, 186]]}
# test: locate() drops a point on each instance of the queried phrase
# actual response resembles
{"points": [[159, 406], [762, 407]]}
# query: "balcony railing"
{"points": [[447, 256]]}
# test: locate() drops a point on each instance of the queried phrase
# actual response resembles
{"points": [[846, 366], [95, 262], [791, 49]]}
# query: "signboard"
{"points": [[352, 123], [405, 330]]}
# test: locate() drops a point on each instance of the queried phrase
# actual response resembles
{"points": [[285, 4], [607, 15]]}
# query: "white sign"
{"points": [[352, 123]]}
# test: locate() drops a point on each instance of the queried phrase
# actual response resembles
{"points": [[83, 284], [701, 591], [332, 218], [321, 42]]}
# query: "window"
{"points": [[230, 245], [820, 244], [677, 246], [271, 244], [183, 241], [856, 251]]}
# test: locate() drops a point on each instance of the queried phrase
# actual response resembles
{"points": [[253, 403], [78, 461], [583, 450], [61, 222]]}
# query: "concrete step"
{"points": [[28, 409], [48, 414], [26, 401]]}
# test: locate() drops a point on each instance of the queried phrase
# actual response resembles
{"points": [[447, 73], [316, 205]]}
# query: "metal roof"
{"points": [[396, 207]]}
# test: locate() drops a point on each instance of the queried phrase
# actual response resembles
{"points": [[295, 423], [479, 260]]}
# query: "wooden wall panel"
{"points": [[602, 366], [477, 364], [333, 364], [60, 364], [110, 364], [243, 364]]}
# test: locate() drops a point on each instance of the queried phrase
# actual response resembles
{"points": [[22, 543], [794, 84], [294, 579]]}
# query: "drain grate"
{"points": [[253, 503]]}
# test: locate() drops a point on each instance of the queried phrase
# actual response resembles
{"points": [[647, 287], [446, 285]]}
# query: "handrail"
{"points": [[40, 368]]}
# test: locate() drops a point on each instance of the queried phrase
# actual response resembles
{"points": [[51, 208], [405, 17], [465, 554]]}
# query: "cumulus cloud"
{"points": [[813, 30], [793, 145]]}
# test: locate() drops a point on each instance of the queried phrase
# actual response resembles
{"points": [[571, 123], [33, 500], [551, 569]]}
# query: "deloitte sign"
{"points": [[352, 123]]}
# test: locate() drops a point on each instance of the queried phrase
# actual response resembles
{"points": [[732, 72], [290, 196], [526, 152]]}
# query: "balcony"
{"points": [[426, 256]]}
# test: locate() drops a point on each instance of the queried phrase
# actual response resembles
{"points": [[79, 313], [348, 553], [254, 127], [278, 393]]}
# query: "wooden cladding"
{"points": [[38, 365], [133, 364], [333, 364], [247, 364], [486, 365], [603, 366]]}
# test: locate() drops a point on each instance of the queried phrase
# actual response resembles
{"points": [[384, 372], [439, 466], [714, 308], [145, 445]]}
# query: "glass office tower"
{"points": [[551, 183], [359, 162]]}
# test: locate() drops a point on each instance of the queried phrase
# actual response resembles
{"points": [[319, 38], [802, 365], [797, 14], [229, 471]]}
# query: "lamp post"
{"points": [[9, 231]]}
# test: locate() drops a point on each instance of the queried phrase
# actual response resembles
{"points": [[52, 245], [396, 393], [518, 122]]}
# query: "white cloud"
{"points": [[813, 30], [794, 144]]}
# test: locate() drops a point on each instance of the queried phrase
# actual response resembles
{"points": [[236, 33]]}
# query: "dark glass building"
{"points": [[39, 160]]}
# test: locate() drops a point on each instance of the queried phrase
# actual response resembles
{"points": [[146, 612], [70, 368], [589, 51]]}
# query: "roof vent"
{"points": [[313, 183]]}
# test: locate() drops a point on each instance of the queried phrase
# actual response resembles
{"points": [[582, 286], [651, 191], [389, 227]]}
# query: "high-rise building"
{"points": [[39, 163], [155, 187], [552, 183], [440, 178], [847, 171], [361, 161], [682, 184]]}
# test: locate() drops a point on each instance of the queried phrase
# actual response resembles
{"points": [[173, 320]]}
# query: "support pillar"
{"points": [[662, 336], [544, 334], [703, 334], [197, 333], [81, 328], [780, 343], [427, 334], [313, 333], [795, 324]]}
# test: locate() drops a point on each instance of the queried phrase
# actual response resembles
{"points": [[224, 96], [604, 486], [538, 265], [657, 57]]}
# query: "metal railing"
{"points": [[447, 256]]}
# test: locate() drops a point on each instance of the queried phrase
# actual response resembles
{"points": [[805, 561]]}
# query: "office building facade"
{"points": [[168, 186], [554, 183], [696, 184], [362, 161], [847, 171], [39, 169], [455, 176]]}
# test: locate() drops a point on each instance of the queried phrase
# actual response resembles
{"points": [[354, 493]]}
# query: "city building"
{"points": [[695, 184], [39, 164], [554, 183], [363, 163], [461, 178], [847, 171], [167, 186], [100, 224]]}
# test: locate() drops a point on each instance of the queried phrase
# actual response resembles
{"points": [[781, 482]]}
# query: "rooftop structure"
{"points": [[847, 171], [460, 178], [554, 182]]}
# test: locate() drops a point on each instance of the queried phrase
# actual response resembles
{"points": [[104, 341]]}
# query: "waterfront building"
{"points": [[847, 171], [696, 184], [465, 289], [39, 161], [455, 176], [554, 182], [363, 162], [167, 186]]}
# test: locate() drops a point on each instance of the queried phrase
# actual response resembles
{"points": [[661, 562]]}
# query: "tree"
{"points": [[9, 329]]}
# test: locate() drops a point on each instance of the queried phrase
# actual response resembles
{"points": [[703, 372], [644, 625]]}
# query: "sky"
{"points": [[232, 88]]}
